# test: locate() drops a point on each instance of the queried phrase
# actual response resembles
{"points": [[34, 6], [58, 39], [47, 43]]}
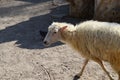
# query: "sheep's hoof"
{"points": [[76, 77]]}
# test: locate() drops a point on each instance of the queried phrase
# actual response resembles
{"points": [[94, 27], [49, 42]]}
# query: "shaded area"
{"points": [[34, 1], [20, 9], [27, 33]]}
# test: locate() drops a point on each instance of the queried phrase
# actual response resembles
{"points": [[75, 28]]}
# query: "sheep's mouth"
{"points": [[46, 44]]}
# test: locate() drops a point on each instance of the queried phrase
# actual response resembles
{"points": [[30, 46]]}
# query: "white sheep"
{"points": [[92, 39]]}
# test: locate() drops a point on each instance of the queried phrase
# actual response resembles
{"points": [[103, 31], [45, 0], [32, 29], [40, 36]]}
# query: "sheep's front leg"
{"points": [[101, 64], [81, 72]]}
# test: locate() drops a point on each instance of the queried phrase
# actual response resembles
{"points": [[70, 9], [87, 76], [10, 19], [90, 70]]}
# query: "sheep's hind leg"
{"points": [[119, 75], [101, 64], [81, 72]]}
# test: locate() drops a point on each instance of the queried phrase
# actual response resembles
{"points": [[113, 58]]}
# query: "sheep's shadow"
{"points": [[26, 34]]}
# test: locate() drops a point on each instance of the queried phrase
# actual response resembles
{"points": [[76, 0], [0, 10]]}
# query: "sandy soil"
{"points": [[22, 55]]}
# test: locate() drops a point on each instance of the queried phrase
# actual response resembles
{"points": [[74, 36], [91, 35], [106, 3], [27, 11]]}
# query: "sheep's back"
{"points": [[102, 39]]}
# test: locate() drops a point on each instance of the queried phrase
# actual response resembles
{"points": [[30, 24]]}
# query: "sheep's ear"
{"points": [[63, 28]]}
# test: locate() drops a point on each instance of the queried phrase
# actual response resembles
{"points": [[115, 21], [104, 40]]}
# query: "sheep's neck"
{"points": [[70, 38]]}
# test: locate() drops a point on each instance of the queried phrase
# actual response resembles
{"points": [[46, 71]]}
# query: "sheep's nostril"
{"points": [[45, 42]]}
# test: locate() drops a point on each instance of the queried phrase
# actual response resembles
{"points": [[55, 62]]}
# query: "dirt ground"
{"points": [[22, 54]]}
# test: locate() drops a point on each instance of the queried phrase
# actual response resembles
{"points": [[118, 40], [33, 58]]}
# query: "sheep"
{"points": [[94, 40]]}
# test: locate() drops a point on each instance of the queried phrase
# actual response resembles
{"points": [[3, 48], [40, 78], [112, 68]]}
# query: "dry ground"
{"points": [[22, 55]]}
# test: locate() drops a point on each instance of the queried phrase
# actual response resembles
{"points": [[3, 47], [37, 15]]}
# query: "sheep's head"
{"points": [[53, 34]]}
